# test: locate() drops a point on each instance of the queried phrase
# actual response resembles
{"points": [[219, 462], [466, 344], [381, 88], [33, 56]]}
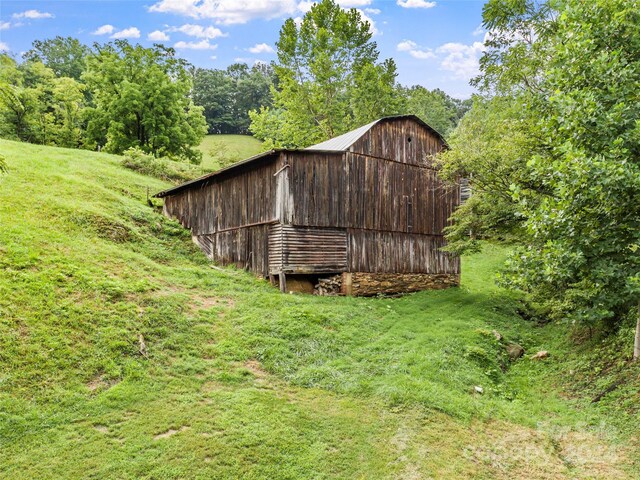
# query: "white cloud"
{"points": [[372, 24], [460, 59], [305, 5], [32, 14], [199, 31], [372, 11], [414, 50], [478, 31], [227, 12], [353, 3], [131, 32], [213, 57], [104, 30], [158, 36], [416, 4], [261, 48], [4, 47], [4, 25], [201, 45]]}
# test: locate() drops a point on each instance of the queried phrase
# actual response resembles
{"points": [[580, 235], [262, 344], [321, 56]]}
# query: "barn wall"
{"points": [[395, 252], [227, 201], [245, 247], [318, 183], [402, 140], [396, 197], [358, 191]]}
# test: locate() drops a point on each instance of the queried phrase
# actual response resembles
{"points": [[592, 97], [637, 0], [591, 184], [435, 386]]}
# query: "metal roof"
{"points": [[344, 141]]}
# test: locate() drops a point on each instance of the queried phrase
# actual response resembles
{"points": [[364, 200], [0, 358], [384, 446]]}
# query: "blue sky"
{"points": [[434, 43]]}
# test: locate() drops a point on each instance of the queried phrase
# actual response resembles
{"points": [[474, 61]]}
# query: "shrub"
{"points": [[162, 168]]}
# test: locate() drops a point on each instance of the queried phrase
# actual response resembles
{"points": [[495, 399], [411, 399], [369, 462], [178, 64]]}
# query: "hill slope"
{"points": [[236, 380]]}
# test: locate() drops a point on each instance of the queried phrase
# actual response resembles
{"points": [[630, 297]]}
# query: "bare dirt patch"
{"points": [[202, 302], [100, 383], [169, 433], [255, 367]]}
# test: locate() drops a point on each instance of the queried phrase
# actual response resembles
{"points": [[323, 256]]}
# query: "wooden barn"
{"points": [[360, 214]]}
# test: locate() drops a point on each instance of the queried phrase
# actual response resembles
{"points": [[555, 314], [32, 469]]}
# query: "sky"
{"points": [[435, 44]]}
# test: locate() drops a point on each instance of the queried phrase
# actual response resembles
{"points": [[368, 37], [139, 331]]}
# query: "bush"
{"points": [[162, 168]]}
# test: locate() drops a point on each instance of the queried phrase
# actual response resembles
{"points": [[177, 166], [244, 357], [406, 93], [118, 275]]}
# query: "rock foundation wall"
{"points": [[367, 284]]}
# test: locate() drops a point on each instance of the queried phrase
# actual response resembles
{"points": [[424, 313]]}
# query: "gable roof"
{"points": [[342, 142], [337, 144]]}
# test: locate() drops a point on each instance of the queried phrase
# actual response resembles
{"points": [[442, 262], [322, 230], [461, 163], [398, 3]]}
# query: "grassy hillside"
{"points": [[239, 381], [227, 147]]}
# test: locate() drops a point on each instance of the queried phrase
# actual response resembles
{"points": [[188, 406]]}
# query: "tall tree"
{"points": [[435, 107], [576, 84], [328, 78], [228, 95], [66, 56], [142, 100]]}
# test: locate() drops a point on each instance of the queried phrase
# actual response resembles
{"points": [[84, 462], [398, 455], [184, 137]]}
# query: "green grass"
{"points": [[217, 149], [240, 381]]}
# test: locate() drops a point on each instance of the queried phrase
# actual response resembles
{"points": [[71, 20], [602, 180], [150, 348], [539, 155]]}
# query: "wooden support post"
{"points": [[347, 282], [272, 280], [283, 282]]}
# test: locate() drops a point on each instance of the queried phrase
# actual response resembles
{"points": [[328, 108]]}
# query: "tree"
{"points": [[228, 95], [435, 107], [68, 108], [142, 100], [66, 56], [490, 147], [328, 79], [213, 91], [578, 81]]}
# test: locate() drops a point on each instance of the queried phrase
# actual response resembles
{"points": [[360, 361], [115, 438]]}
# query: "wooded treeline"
{"points": [[117, 96], [113, 97], [552, 151]]}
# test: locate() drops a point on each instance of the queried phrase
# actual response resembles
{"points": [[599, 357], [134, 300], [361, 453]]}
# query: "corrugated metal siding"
{"points": [[307, 250], [344, 141]]}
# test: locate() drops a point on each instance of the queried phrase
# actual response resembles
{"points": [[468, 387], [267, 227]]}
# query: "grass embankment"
{"points": [[240, 381], [227, 149]]}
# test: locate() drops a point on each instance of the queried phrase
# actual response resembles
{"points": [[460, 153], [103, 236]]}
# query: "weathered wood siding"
{"points": [[396, 197], [396, 252], [319, 189], [246, 247], [227, 201], [357, 191], [401, 140], [307, 250]]}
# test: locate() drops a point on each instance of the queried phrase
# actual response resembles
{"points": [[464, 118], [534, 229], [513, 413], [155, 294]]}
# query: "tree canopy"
{"points": [[567, 143], [329, 79], [228, 95], [141, 98]]}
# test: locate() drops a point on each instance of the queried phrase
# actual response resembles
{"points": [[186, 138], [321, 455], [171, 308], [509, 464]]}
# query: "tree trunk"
{"points": [[636, 343]]}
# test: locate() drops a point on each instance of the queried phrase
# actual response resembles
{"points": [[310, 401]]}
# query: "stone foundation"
{"points": [[367, 284]]}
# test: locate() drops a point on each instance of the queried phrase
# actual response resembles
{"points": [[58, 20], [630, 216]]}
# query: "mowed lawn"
{"points": [[237, 380], [227, 148]]}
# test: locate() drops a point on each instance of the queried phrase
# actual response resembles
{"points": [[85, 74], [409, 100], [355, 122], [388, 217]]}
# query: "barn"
{"points": [[361, 214]]}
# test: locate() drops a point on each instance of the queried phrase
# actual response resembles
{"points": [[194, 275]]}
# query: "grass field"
{"points": [[227, 148], [239, 381]]}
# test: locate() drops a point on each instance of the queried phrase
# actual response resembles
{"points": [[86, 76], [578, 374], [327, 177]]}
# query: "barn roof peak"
{"points": [[335, 145], [342, 142]]}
